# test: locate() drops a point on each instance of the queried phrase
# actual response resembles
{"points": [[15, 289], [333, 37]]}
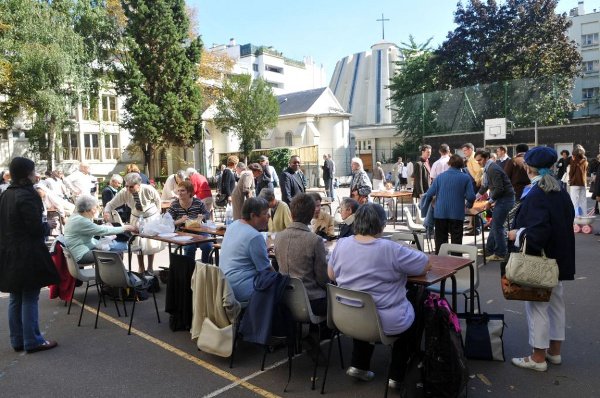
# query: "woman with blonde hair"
{"points": [[133, 168], [360, 187]]}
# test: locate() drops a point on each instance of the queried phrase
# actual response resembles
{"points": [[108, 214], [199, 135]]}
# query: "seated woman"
{"points": [[188, 207], [301, 254], [244, 250], [80, 231], [347, 209], [322, 223], [379, 267]]}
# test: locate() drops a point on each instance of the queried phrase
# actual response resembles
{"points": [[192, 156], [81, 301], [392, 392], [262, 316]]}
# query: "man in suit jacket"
{"points": [[291, 180]]}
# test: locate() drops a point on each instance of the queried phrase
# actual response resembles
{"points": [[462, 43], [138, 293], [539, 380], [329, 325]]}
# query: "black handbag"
{"points": [[482, 336]]}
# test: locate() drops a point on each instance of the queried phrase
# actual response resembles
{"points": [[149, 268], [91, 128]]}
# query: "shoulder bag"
{"points": [[532, 271]]}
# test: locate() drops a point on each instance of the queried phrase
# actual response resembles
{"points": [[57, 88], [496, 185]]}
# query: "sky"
{"points": [[328, 30]]}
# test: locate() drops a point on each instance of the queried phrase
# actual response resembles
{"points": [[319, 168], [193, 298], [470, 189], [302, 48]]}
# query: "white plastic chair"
{"points": [[354, 314], [463, 276], [411, 238], [86, 275], [416, 228]]}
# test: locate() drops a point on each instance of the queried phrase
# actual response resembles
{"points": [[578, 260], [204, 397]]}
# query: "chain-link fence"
{"points": [[522, 102]]}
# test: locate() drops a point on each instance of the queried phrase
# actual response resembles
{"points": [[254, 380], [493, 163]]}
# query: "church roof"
{"points": [[299, 101]]}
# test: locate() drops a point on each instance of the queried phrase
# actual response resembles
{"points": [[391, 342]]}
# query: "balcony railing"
{"points": [[70, 154]]}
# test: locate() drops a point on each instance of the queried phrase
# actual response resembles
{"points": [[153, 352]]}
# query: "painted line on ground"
{"points": [[236, 381]]}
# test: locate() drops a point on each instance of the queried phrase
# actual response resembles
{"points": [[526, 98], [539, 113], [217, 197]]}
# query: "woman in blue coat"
{"points": [[545, 218]]}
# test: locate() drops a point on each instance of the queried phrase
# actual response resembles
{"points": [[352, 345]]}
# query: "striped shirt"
{"points": [[196, 208]]}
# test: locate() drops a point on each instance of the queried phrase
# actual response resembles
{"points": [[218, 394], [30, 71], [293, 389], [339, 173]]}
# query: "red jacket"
{"points": [[201, 187]]}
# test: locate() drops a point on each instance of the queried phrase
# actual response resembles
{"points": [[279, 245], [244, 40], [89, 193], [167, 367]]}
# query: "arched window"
{"points": [[288, 139]]}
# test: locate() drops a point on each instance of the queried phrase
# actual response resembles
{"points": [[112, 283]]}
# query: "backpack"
{"points": [[445, 372]]}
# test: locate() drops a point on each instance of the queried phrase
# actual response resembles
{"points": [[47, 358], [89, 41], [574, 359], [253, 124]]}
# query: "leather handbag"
{"points": [[532, 271]]}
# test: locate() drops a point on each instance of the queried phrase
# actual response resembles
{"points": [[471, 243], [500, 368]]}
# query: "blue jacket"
{"points": [[262, 316], [548, 222], [451, 189]]}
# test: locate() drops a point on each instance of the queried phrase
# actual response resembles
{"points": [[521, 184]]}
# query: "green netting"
{"points": [[465, 109]]}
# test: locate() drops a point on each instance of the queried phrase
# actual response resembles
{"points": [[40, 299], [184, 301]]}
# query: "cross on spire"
{"points": [[382, 20]]}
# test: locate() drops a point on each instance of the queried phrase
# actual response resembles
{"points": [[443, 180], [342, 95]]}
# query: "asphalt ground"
{"points": [[156, 362]]}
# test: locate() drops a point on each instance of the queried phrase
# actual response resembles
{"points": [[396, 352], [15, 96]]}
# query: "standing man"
{"points": [[378, 177], [333, 180], [410, 167], [109, 193], [561, 165], [264, 162], [502, 156], [441, 165], [501, 199], [472, 166], [398, 168], [292, 180], [81, 182], [516, 172], [328, 176], [422, 172]]}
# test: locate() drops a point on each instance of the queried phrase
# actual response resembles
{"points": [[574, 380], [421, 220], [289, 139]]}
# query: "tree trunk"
{"points": [[51, 142], [149, 155]]}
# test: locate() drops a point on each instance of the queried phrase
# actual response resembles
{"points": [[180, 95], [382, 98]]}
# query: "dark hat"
{"points": [[541, 157], [20, 168]]}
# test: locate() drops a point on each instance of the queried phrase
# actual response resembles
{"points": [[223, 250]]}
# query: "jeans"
{"points": [[205, 248], [496, 243], [329, 188], [115, 246], [23, 319]]}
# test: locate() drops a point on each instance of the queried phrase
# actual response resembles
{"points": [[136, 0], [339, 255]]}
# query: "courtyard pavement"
{"points": [[156, 362]]}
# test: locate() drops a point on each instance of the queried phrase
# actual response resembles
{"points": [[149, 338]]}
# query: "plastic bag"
{"points": [[104, 242], [164, 224]]}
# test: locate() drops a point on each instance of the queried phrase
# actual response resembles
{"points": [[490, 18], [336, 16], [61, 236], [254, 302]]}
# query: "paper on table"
{"points": [[183, 238], [167, 235]]}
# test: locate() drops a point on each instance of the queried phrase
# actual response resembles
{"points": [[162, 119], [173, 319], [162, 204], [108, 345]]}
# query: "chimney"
{"points": [[231, 42], [580, 10]]}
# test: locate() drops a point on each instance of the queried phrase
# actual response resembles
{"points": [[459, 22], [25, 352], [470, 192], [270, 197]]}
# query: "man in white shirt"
{"points": [[441, 165], [502, 156], [81, 181]]}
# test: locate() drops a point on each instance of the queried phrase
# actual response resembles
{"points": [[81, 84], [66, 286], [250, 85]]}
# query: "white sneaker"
{"points": [[528, 363], [554, 359], [365, 375]]}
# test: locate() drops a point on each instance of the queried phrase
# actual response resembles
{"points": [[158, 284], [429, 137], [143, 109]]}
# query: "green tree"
{"points": [[417, 75], [247, 109], [503, 60], [157, 73], [48, 63]]}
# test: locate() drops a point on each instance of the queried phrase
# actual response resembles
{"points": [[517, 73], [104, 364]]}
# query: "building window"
{"points": [[275, 69], [288, 139], [109, 108], [111, 146], [589, 93], [589, 66], [589, 40], [90, 109], [258, 144], [92, 149], [255, 67], [70, 146]]}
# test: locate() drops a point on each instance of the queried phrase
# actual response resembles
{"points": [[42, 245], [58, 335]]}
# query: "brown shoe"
{"points": [[46, 345]]}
